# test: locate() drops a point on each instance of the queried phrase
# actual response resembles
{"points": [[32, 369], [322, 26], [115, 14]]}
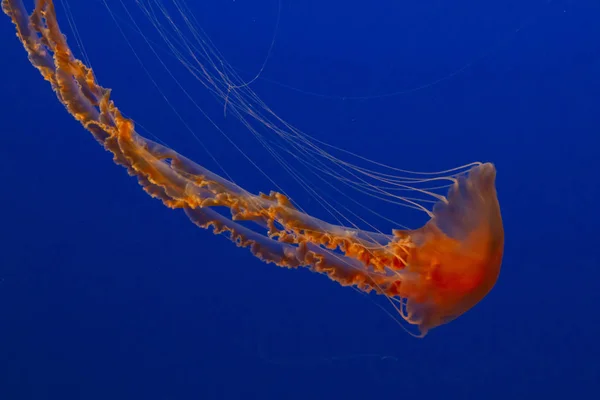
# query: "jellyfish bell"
{"points": [[456, 257]]}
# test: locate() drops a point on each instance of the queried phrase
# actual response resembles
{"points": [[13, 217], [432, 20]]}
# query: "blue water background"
{"points": [[105, 293]]}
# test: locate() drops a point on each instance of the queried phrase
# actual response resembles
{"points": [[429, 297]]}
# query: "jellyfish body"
{"points": [[433, 274], [458, 253]]}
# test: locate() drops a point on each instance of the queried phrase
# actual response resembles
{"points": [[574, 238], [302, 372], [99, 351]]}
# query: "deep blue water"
{"points": [[104, 293]]}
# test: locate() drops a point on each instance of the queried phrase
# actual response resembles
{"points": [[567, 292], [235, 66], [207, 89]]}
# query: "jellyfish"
{"points": [[431, 275]]}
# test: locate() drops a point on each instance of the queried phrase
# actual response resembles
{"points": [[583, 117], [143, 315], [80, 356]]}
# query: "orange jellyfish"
{"points": [[432, 274]]}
